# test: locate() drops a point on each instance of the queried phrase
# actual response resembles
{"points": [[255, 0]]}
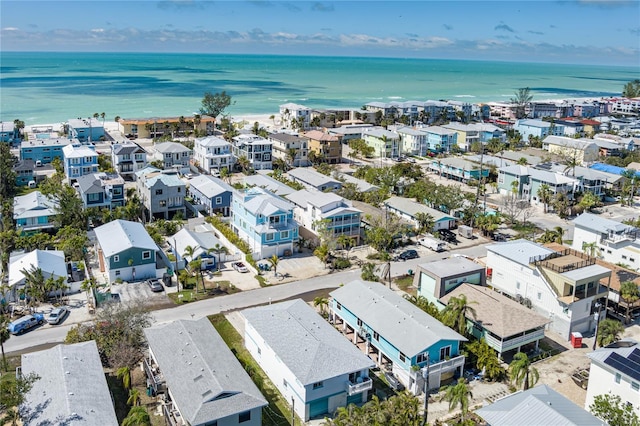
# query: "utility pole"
{"points": [[293, 411], [175, 248], [425, 376]]}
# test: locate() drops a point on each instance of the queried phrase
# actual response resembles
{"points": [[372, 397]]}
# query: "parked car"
{"points": [[25, 323], [239, 266], [58, 315], [115, 297], [408, 254], [393, 381], [155, 285]]}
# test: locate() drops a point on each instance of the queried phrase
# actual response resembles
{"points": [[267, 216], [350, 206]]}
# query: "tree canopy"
{"points": [[214, 104], [631, 89]]}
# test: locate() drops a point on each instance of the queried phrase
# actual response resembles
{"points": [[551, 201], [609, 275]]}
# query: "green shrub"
{"points": [[261, 280], [341, 263]]}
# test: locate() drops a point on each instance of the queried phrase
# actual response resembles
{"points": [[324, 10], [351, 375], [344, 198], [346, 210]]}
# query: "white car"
{"points": [[239, 266], [57, 315]]}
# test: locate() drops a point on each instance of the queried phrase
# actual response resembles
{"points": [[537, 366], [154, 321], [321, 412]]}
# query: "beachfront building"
{"points": [[397, 335], [265, 221], [561, 284], [79, 160], [385, 143], [156, 127], [162, 192], [43, 150], [319, 213], [410, 210], [213, 154], [440, 139], [71, 388], [610, 240], [503, 110], [126, 252], [9, 132], [127, 159], [458, 169], [200, 379], [312, 179], [172, 155], [294, 116], [592, 180], [525, 182], [324, 146], [529, 128], [101, 190], [290, 148], [615, 370], [580, 151], [307, 359], [212, 193], [34, 212], [86, 129], [254, 148]]}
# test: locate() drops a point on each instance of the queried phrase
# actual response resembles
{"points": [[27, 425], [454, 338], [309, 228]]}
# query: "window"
{"points": [[146, 254], [284, 383], [339, 307], [376, 336], [93, 197], [274, 219], [618, 377], [539, 296], [635, 386], [259, 351], [269, 237], [445, 352], [218, 200], [158, 191], [116, 258], [403, 357], [359, 322], [244, 417], [163, 203], [518, 285], [318, 385], [117, 273], [422, 357], [624, 257], [179, 189], [284, 235]]}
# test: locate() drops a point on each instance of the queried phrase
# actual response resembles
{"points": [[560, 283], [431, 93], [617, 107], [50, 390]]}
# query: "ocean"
{"points": [[46, 87]]}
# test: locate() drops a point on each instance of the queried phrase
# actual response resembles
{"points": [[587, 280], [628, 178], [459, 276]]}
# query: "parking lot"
{"points": [[140, 292]]}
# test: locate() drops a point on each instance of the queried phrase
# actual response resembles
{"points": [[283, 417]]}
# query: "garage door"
{"points": [[318, 407]]}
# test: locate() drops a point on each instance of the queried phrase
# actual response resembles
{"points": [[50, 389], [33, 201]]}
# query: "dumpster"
{"points": [[576, 339]]}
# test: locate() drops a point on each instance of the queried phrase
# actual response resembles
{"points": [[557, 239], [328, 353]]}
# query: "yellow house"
{"points": [[155, 127], [324, 145]]}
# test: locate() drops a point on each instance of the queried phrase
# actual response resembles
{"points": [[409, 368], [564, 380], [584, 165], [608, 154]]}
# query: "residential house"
{"points": [[319, 213], [172, 155], [307, 359], [562, 285], [156, 127], [409, 209], [470, 133], [285, 145], [262, 180], [199, 377], [540, 405], [43, 150], [50, 262], [413, 141], [162, 192], [435, 279], [324, 146], [591, 126], [573, 127], [615, 370], [127, 159], [440, 139], [614, 242], [349, 132], [529, 128], [213, 154], [312, 179], [525, 182], [254, 148], [204, 245], [385, 143], [609, 149], [86, 129], [291, 113], [212, 193], [79, 160], [589, 179], [580, 151], [362, 186], [126, 252], [9, 132], [71, 388], [24, 172], [397, 335], [265, 221], [34, 212], [101, 190], [459, 169]]}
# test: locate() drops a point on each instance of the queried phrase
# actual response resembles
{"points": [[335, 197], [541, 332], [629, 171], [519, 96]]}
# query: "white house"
{"points": [[615, 242], [50, 262], [560, 284], [286, 144], [254, 148], [290, 112], [615, 369], [306, 358], [312, 179], [128, 158], [582, 150], [213, 154], [409, 209]]}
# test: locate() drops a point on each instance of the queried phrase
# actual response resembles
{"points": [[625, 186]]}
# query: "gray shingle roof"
{"points": [[311, 348], [538, 406], [209, 186], [119, 235], [399, 321], [311, 177], [173, 147], [269, 183], [451, 266], [72, 388], [600, 224], [205, 379], [519, 251], [411, 208]]}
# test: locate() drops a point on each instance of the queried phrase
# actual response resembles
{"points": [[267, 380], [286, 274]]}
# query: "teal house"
{"points": [[526, 181], [126, 251], [34, 212], [397, 335]]}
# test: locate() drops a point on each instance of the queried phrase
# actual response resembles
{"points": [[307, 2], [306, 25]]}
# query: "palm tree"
{"points": [[426, 222], [609, 331], [522, 372], [522, 97], [629, 292], [345, 242], [291, 155], [273, 260], [137, 416], [134, 397], [424, 304], [225, 174], [456, 312], [459, 395], [4, 336], [218, 250], [124, 374], [244, 163], [545, 195], [591, 249], [34, 281], [322, 303]]}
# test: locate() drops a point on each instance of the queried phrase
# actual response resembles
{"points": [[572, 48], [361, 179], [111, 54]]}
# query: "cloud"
{"points": [[183, 4], [535, 32], [322, 7], [447, 27], [503, 27]]}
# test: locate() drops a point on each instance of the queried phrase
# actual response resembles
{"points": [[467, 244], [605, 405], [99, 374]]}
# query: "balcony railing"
{"points": [[505, 345], [354, 388], [172, 415], [155, 376]]}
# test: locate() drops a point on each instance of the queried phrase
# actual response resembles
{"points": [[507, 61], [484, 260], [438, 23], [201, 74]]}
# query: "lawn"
{"points": [[404, 283], [213, 289], [277, 413]]}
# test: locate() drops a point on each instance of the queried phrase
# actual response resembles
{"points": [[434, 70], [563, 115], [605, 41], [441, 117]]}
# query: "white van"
{"points": [[433, 243]]}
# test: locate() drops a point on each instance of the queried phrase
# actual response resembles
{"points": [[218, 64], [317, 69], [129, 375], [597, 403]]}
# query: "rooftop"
{"points": [[267, 182], [258, 201], [31, 143], [33, 204], [119, 235], [411, 208], [451, 266], [311, 177], [78, 151], [171, 147], [51, 262], [520, 251], [209, 186]]}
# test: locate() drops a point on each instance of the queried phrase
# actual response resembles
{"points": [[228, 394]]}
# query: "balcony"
{"points": [[515, 342], [155, 376], [354, 388], [172, 415]]}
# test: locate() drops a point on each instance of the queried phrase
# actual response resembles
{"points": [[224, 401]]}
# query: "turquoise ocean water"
{"points": [[52, 87]]}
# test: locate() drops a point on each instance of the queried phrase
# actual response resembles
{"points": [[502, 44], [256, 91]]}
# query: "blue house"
{"points": [[265, 221], [24, 172], [9, 132], [398, 335], [440, 139], [34, 212], [459, 169], [43, 149], [101, 190], [86, 129], [538, 128], [79, 160], [212, 193]]}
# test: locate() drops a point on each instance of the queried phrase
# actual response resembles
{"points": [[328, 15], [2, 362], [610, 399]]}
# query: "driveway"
{"points": [[140, 291]]}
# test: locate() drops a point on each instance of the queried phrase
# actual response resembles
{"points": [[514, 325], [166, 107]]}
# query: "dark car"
{"points": [[448, 236], [155, 285], [408, 254], [393, 381]]}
